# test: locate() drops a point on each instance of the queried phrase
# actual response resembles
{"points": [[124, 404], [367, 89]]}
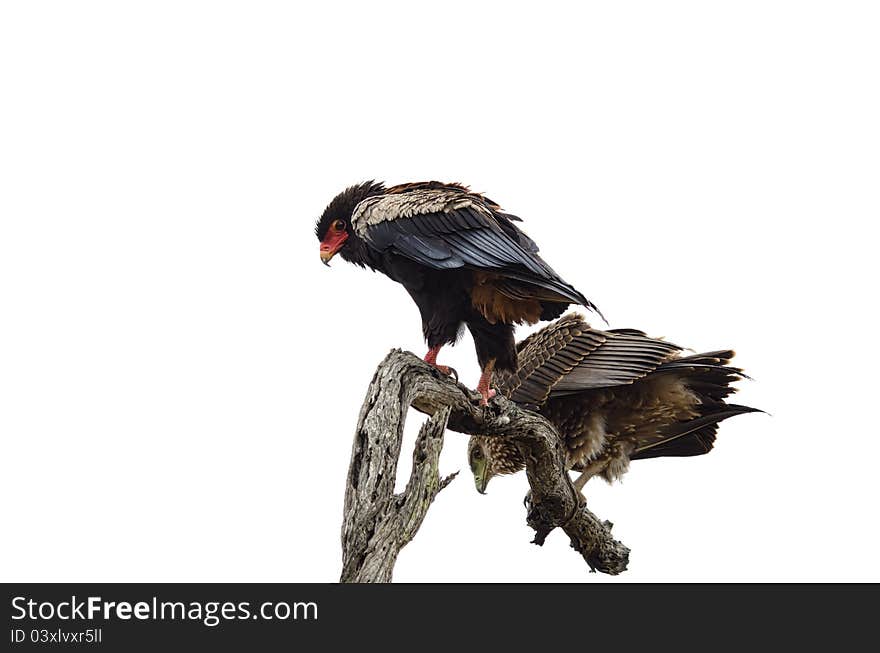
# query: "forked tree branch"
{"points": [[377, 523]]}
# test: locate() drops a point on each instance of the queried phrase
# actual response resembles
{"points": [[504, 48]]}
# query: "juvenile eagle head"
{"points": [[490, 456]]}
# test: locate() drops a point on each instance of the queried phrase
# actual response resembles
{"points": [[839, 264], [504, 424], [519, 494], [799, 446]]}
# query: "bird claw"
{"points": [[445, 369], [485, 397]]}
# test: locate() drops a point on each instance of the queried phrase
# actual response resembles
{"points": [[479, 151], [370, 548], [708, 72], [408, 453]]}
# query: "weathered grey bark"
{"points": [[377, 523]]}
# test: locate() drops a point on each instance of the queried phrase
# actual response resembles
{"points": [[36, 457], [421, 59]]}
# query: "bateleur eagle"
{"points": [[459, 256], [614, 396]]}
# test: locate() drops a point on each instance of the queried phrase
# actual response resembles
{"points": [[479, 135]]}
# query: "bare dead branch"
{"points": [[377, 523]]}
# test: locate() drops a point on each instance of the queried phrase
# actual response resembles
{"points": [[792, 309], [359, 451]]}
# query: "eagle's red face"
{"points": [[333, 240]]}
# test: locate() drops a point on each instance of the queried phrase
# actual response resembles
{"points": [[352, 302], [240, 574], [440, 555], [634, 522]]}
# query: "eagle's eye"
{"points": [[339, 225]]}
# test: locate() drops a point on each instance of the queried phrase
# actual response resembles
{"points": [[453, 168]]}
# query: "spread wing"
{"points": [[444, 226], [569, 357], [604, 388]]}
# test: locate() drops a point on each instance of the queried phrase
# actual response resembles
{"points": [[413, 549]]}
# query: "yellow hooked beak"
{"points": [[481, 475]]}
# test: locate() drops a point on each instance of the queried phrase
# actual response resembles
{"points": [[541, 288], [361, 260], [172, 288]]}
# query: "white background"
{"points": [[180, 376]]}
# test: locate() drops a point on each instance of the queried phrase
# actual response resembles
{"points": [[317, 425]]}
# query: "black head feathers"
{"points": [[344, 204]]}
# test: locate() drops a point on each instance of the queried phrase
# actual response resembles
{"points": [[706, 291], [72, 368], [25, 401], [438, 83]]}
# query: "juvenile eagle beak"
{"points": [[481, 476]]}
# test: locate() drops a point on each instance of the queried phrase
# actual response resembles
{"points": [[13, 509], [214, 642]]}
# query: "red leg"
{"points": [[431, 359], [483, 387]]}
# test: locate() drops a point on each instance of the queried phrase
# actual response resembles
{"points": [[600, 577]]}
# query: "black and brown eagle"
{"points": [[614, 396], [459, 256]]}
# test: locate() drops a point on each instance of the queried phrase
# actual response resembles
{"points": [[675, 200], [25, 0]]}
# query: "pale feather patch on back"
{"points": [[382, 208]]}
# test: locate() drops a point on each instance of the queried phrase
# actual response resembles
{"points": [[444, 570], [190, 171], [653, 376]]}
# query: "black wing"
{"points": [[446, 227]]}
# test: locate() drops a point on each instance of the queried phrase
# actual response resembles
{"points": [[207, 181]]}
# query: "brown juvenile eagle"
{"points": [[459, 256], [614, 396]]}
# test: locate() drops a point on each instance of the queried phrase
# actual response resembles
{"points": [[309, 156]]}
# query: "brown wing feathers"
{"points": [[569, 357], [620, 360], [537, 370], [620, 386]]}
